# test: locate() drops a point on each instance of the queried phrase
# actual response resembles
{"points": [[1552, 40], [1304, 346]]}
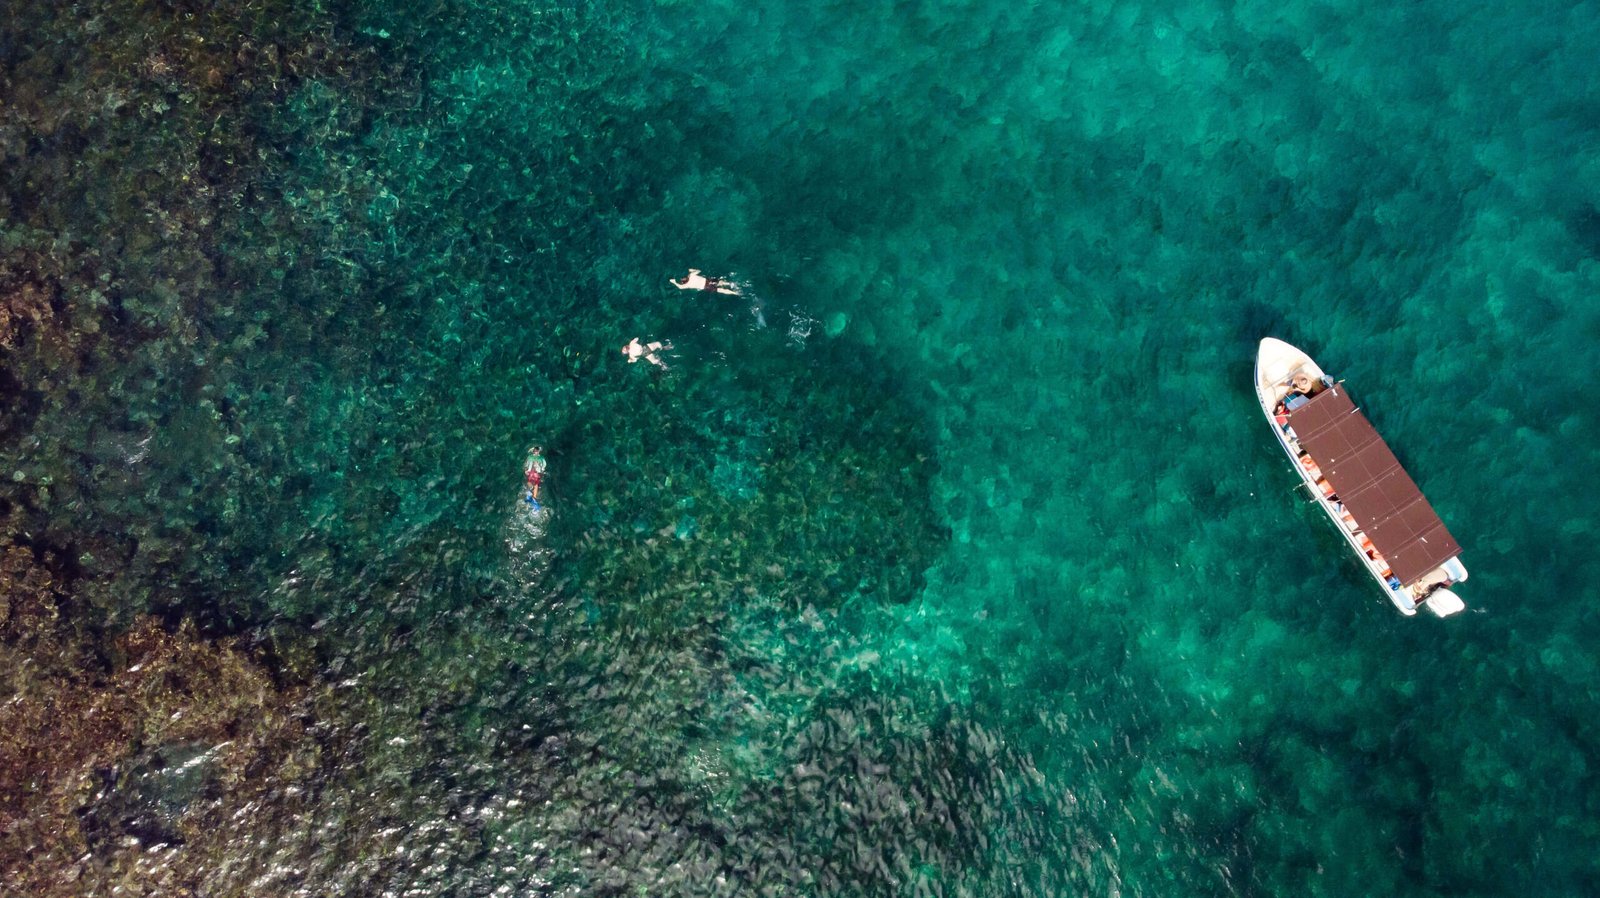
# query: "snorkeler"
{"points": [[533, 473], [694, 280], [635, 351]]}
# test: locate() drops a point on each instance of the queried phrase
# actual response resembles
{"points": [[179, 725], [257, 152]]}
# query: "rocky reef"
{"points": [[131, 761]]}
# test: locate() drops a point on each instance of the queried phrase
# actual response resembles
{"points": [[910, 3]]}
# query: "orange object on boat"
{"points": [[1311, 467]]}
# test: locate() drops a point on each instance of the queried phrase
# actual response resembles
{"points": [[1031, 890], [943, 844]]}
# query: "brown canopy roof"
{"points": [[1373, 487]]}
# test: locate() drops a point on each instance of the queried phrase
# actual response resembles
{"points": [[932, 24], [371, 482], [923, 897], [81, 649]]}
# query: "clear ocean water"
{"points": [[954, 559]]}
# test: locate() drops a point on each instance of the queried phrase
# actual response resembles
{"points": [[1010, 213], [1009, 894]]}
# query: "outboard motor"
{"points": [[1443, 603]]}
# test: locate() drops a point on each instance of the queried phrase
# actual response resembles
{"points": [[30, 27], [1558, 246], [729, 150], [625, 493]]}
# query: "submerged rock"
{"points": [[144, 798], [114, 745]]}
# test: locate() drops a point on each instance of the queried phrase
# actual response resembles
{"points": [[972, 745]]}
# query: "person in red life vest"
{"points": [[533, 472]]}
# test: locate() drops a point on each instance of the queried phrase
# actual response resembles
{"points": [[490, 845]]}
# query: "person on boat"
{"points": [[635, 351], [1302, 387], [694, 280]]}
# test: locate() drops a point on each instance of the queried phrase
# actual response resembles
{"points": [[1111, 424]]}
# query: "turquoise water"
{"points": [[975, 571]]}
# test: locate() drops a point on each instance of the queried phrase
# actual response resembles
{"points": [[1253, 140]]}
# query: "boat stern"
{"points": [[1443, 603]]}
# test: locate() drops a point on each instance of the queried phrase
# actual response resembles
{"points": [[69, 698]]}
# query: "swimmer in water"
{"points": [[533, 471], [635, 351], [694, 280]]}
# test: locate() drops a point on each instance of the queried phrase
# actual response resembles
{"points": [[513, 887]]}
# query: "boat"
{"points": [[1354, 477]]}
